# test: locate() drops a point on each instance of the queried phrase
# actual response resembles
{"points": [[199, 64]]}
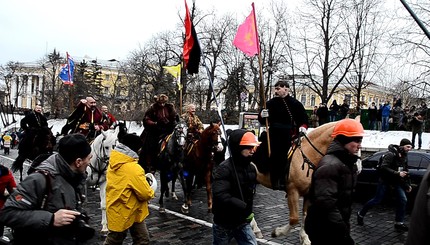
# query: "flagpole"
{"points": [[180, 89], [262, 94]]}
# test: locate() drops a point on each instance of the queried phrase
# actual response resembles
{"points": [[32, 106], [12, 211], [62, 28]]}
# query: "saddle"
{"points": [[163, 143]]}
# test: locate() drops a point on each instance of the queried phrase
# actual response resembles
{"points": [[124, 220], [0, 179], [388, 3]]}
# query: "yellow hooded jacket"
{"points": [[127, 191]]}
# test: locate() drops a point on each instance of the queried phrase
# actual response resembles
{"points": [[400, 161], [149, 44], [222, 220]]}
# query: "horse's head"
{"points": [[212, 134], [180, 133], [44, 140]]}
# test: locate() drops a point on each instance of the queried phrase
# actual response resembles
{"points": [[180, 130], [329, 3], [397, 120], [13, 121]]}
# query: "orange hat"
{"points": [[248, 139], [349, 128]]}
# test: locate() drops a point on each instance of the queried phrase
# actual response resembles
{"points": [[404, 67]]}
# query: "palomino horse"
{"points": [[38, 141], [198, 163], [307, 152], [101, 148], [170, 160]]}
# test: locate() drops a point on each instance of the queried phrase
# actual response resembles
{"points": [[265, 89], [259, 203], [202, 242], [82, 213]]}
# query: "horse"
{"points": [[170, 160], [101, 148], [307, 152], [36, 142], [198, 164]]}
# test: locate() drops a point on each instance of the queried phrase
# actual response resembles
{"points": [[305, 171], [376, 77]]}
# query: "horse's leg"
{"points": [[208, 176], [174, 177], [293, 206], [164, 186], [103, 207], [187, 192], [304, 238], [256, 229], [20, 173]]}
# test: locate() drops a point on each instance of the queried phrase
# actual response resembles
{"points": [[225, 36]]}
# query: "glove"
{"points": [[302, 130], [250, 217], [264, 113]]}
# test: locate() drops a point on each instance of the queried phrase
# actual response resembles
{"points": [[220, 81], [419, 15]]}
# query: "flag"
{"points": [[192, 49], [246, 38], [67, 71], [175, 71]]}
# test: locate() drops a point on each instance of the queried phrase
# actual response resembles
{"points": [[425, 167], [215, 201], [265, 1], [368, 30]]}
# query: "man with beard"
{"points": [[86, 119]]}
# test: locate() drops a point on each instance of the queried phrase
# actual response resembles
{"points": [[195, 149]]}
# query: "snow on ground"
{"points": [[373, 140]]}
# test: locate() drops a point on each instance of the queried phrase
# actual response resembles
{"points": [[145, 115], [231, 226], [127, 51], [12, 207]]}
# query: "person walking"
{"points": [[417, 129], [420, 218], [127, 194], [46, 206], [330, 195], [7, 141], [287, 117], [233, 190], [7, 187], [393, 172]]}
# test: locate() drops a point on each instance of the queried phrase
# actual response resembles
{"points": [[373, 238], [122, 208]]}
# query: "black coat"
{"points": [[330, 196], [33, 120], [229, 209], [391, 162]]}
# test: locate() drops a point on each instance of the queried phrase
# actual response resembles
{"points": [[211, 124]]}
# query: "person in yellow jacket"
{"points": [[127, 193]]}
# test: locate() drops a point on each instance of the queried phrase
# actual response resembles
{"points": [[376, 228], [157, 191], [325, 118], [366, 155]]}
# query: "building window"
{"points": [[347, 99], [303, 99], [312, 100]]}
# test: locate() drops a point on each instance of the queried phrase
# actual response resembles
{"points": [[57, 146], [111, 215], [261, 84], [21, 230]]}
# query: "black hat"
{"points": [[282, 83], [405, 141], [132, 141], [73, 146]]}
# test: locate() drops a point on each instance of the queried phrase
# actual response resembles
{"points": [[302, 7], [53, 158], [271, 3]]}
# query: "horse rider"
{"points": [[86, 119], [194, 125], [31, 123], [332, 186], [108, 118], [286, 117], [159, 120]]}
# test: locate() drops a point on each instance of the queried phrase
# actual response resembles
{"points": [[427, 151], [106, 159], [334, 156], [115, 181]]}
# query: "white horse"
{"points": [[101, 149]]}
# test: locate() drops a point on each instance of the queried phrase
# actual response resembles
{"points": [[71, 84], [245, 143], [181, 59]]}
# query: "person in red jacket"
{"points": [[109, 119], [7, 183]]}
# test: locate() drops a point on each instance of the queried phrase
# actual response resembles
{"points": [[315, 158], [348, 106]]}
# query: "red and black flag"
{"points": [[192, 49]]}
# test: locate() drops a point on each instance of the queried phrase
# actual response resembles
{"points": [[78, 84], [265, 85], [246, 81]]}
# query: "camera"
{"points": [[83, 230]]}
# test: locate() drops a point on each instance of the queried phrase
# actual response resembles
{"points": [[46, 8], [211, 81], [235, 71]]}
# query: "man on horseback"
{"points": [[159, 120], [86, 119], [286, 117], [333, 182], [194, 125], [108, 118], [31, 124]]}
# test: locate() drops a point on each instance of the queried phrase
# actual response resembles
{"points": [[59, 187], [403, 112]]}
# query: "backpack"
{"points": [[379, 164]]}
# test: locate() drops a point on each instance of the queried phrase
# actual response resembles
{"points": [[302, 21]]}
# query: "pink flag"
{"points": [[246, 38]]}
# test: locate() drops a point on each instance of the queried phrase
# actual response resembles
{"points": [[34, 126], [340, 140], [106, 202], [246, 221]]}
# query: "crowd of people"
{"points": [[46, 206]]}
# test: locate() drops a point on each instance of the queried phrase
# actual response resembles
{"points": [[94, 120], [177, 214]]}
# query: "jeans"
{"points": [[243, 235], [419, 139], [139, 233], [380, 193], [385, 124]]}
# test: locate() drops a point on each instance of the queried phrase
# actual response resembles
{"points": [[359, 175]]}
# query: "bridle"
{"points": [[297, 143], [102, 159]]}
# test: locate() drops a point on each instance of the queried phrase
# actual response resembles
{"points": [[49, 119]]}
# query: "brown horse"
{"points": [[309, 152], [198, 164]]}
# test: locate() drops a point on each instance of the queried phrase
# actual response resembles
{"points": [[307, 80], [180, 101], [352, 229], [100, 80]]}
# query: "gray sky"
{"points": [[95, 28]]}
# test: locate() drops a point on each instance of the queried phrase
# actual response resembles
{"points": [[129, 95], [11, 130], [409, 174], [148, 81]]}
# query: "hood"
{"points": [[337, 149], [56, 165], [121, 155], [234, 141]]}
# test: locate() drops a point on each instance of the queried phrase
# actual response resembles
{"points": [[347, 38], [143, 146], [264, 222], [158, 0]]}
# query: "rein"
{"points": [[101, 159], [298, 144]]}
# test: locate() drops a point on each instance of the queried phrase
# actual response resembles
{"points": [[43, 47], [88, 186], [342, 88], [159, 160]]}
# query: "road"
{"points": [[270, 208]]}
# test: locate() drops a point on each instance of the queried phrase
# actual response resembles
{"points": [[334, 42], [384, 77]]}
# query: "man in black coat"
{"points": [[286, 117]]}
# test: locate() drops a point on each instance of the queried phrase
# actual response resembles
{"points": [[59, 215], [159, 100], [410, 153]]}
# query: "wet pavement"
{"points": [[270, 208]]}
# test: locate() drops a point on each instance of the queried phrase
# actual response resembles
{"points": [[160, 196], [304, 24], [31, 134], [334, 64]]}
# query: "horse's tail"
{"points": [[18, 164]]}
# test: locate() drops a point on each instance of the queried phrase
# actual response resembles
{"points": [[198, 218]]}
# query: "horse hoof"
{"points": [[103, 233], [174, 196], [162, 210], [259, 235], [184, 209]]}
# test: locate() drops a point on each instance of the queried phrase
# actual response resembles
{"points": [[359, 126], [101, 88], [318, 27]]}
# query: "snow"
{"points": [[372, 141]]}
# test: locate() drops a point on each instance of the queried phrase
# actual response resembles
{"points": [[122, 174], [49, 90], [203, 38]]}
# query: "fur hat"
{"points": [[73, 146], [162, 98], [405, 141], [132, 141]]}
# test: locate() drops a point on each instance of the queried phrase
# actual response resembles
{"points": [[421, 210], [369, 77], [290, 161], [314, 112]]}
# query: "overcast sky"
{"points": [[95, 28]]}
